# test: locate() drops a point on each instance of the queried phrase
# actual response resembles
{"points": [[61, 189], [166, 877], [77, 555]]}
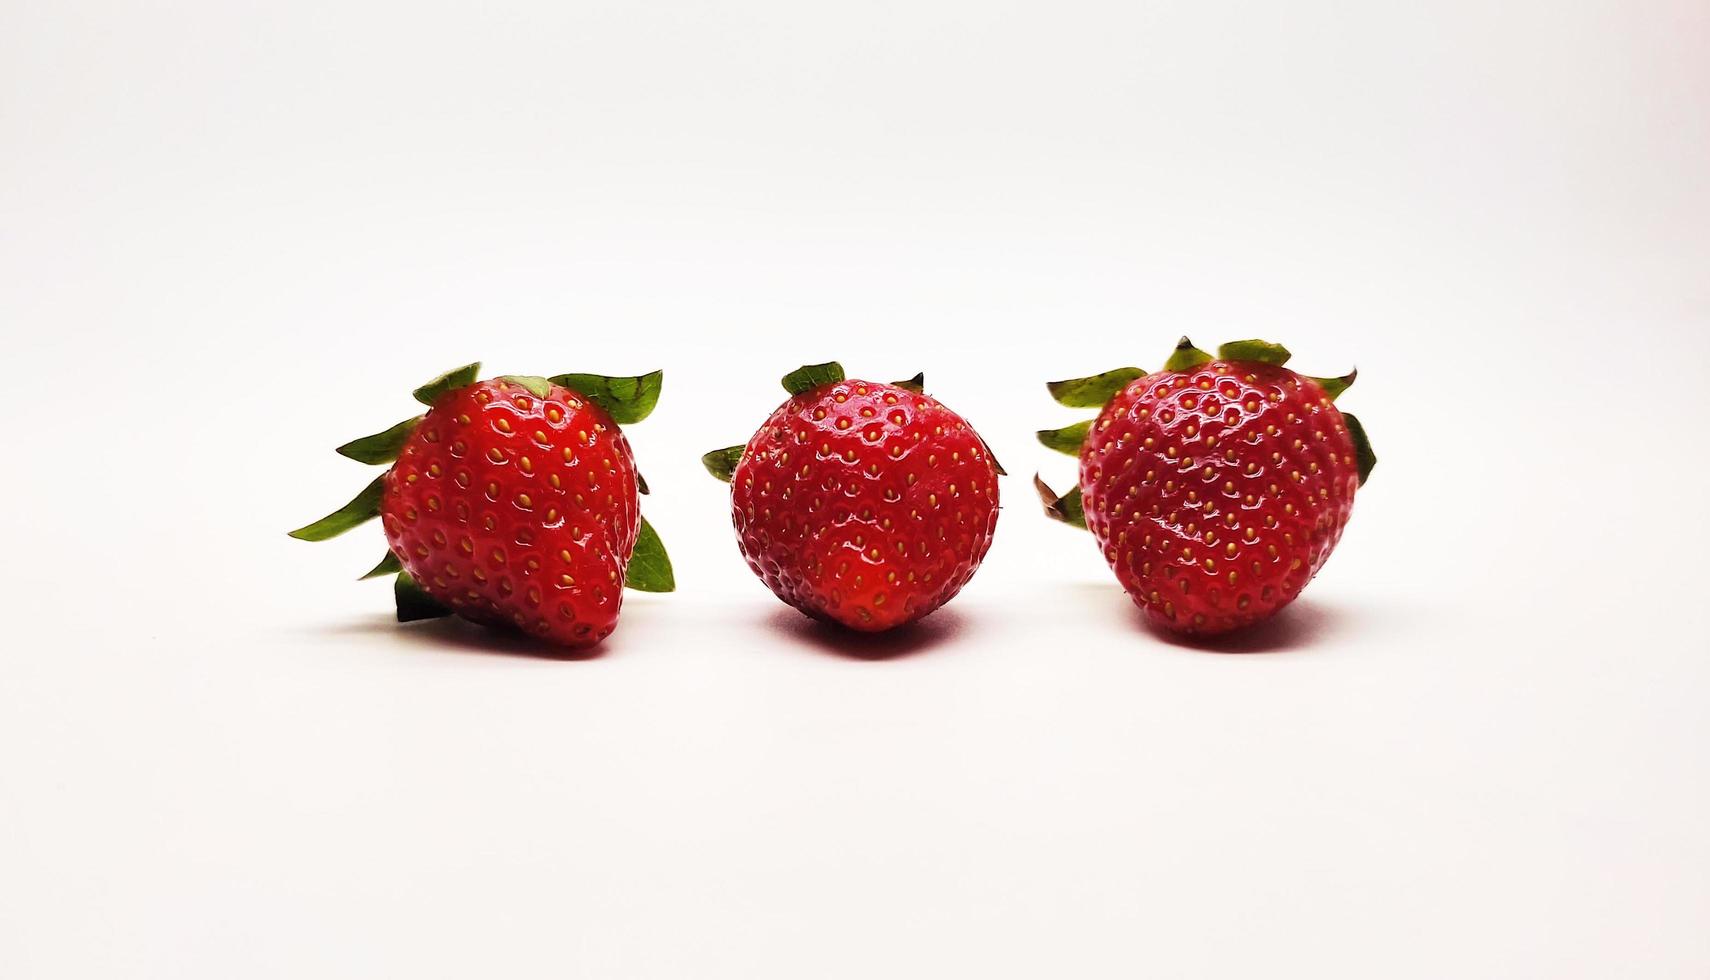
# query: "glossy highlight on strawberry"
{"points": [[862, 503], [1217, 487], [513, 502]]}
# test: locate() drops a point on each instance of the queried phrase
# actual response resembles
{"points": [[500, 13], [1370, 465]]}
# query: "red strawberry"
{"points": [[513, 502], [863, 503], [1216, 487]]}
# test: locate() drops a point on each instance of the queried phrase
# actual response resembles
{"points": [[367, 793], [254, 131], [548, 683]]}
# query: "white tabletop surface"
{"points": [[233, 237]]}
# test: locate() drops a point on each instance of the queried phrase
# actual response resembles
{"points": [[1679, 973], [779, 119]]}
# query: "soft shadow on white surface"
{"points": [[933, 632], [459, 636], [1301, 627]]}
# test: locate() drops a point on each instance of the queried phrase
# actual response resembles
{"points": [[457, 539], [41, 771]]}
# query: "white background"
{"points": [[234, 235]]}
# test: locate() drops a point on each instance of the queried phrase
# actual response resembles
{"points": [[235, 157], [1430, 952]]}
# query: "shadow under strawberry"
{"points": [[834, 640]]}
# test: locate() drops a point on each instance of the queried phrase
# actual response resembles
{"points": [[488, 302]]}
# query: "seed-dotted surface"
{"points": [[1216, 494], [865, 503], [517, 510]]}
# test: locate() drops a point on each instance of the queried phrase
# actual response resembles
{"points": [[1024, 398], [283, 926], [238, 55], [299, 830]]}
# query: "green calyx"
{"points": [[626, 400], [389, 565], [1333, 387], [413, 601], [534, 384], [1067, 439], [811, 376], [916, 384], [362, 508], [449, 381], [649, 566], [1065, 508], [1262, 351], [1364, 458], [721, 463], [1186, 357], [1094, 391], [381, 447]]}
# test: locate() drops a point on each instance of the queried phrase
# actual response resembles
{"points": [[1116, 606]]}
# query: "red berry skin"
{"points": [[865, 504], [513, 510], [1217, 493]]}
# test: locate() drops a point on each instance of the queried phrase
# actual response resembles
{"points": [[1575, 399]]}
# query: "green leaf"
{"points": [[1066, 508], [916, 384], [449, 381], [626, 400], [649, 565], [1067, 439], [1363, 454], [721, 463], [387, 566], [1186, 357], [364, 507], [1262, 351], [537, 386], [381, 447], [413, 601], [1333, 387], [1093, 392], [811, 376]]}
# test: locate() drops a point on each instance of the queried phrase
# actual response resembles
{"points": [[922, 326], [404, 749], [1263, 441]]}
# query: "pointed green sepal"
{"points": [[364, 507], [1066, 508], [626, 400], [1186, 357], [721, 463], [1067, 439], [1262, 351], [388, 565], [449, 381], [413, 601], [1363, 455], [811, 376], [641, 483], [1093, 392], [381, 447], [990, 455], [916, 384], [536, 385], [1333, 387], [649, 565]]}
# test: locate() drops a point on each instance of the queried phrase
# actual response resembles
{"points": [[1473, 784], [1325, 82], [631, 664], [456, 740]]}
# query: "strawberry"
{"points": [[513, 503], [862, 503], [1216, 487]]}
